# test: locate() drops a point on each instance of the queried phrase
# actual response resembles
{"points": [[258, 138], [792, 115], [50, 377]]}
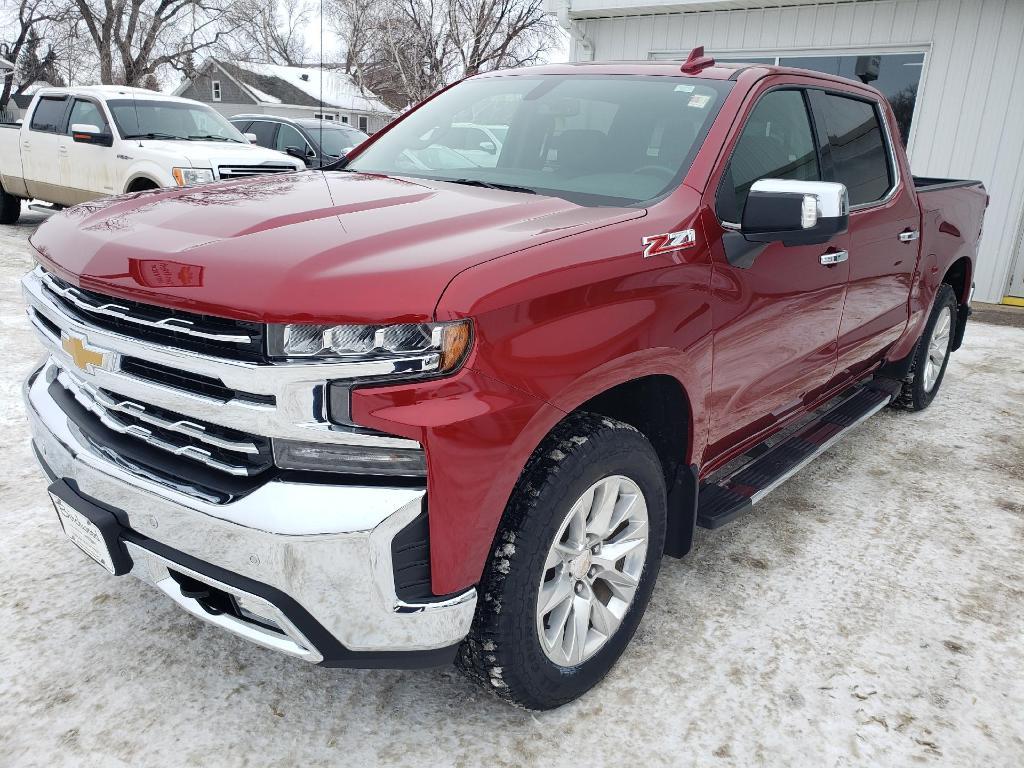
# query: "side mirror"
{"points": [[87, 133], [252, 138], [305, 155], [488, 147], [795, 212]]}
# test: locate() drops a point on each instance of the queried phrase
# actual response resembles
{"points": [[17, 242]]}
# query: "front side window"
{"points": [[150, 119], [87, 113], [776, 143], [859, 156], [49, 115], [287, 137], [591, 139]]}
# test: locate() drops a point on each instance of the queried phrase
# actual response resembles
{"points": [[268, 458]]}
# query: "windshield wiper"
{"points": [[491, 185], [211, 137], [152, 136]]}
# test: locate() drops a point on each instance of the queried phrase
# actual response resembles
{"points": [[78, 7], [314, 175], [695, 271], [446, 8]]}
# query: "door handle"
{"points": [[835, 257], [909, 235]]}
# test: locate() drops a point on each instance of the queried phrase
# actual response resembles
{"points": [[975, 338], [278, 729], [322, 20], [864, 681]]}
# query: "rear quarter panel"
{"points": [[951, 222]]}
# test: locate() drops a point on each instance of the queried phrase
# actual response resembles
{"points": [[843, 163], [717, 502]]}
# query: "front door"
{"points": [[776, 321], [86, 170]]}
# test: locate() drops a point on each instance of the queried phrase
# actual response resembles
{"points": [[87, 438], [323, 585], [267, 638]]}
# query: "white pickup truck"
{"points": [[77, 144]]}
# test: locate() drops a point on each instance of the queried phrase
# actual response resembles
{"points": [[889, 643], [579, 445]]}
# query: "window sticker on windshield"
{"points": [[685, 88], [699, 100]]}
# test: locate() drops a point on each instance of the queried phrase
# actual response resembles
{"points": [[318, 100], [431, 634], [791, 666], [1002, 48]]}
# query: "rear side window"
{"points": [[776, 143], [264, 132], [49, 115], [859, 157]]}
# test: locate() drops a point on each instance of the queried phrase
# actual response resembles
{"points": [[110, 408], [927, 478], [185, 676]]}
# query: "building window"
{"points": [[364, 123], [215, 90], [344, 119], [323, 116]]}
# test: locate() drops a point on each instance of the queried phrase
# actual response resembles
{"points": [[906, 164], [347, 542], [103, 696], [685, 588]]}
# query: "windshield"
{"points": [[148, 119], [591, 139], [335, 140]]}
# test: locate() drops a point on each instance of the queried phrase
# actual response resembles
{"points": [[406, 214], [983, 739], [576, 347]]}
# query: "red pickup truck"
{"points": [[454, 403]]}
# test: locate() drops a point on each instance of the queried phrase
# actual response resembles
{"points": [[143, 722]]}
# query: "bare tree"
{"points": [[25, 28], [357, 24], [268, 31], [491, 34], [134, 38], [405, 50]]}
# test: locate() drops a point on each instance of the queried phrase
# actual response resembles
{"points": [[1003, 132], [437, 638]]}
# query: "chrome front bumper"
{"points": [[314, 560]]}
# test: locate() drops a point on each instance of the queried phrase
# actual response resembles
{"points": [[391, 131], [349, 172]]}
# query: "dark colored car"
{"points": [[317, 142]]}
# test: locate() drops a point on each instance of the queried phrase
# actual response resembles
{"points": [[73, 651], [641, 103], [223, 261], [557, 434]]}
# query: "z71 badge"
{"points": [[655, 245]]}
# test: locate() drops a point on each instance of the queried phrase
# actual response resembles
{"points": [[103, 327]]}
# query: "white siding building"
{"points": [[954, 70]]}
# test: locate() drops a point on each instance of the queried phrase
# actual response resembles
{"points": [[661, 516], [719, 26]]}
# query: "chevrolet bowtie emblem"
{"points": [[84, 356]]}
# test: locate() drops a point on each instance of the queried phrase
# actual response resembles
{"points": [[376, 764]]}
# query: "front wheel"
{"points": [[931, 355], [575, 559]]}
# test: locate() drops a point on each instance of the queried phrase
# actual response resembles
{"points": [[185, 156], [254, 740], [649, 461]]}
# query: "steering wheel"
{"points": [[669, 173]]}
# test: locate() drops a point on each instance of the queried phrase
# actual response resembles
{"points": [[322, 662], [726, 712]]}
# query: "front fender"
{"points": [[147, 169]]}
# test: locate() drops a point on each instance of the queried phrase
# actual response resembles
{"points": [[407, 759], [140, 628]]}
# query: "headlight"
{"points": [[188, 177], [432, 347]]}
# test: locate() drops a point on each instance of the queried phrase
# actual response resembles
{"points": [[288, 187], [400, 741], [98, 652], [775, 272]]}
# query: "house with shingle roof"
{"points": [[235, 87]]}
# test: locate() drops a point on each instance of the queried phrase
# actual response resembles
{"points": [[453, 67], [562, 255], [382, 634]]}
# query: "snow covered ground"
{"points": [[869, 613]]}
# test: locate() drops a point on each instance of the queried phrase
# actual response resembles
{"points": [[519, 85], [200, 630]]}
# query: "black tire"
{"points": [[503, 652], [10, 208], [915, 395]]}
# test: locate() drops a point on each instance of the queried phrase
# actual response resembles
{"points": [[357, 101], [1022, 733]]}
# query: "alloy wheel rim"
{"points": [[938, 349], [592, 570]]}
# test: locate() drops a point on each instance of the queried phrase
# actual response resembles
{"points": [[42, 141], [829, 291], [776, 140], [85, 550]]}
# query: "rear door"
{"points": [[776, 321], [40, 148], [884, 223]]}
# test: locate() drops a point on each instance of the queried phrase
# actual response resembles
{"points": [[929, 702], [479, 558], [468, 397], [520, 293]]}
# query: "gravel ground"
{"points": [[871, 612]]}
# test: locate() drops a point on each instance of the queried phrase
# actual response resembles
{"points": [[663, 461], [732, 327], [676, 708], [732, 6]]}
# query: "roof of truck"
{"points": [[111, 92], [716, 71]]}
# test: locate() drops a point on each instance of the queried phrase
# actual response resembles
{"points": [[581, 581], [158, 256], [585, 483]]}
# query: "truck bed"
{"points": [[928, 183]]}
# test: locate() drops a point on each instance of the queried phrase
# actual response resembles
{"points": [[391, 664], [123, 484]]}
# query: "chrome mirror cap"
{"points": [[831, 199]]}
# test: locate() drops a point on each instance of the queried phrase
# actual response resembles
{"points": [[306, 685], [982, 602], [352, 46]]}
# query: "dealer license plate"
{"points": [[83, 533]]}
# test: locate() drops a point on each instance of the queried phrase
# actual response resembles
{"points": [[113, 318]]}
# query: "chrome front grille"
{"points": [[218, 448], [234, 339], [240, 171], [183, 417]]}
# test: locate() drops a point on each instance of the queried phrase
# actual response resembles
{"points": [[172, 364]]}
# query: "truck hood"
{"points": [[325, 247], [213, 154]]}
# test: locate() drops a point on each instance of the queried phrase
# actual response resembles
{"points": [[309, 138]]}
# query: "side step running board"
{"points": [[727, 498], [49, 210]]}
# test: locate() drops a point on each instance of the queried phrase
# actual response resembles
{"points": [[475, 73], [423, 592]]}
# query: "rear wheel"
{"points": [[575, 559], [10, 208], [932, 353]]}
